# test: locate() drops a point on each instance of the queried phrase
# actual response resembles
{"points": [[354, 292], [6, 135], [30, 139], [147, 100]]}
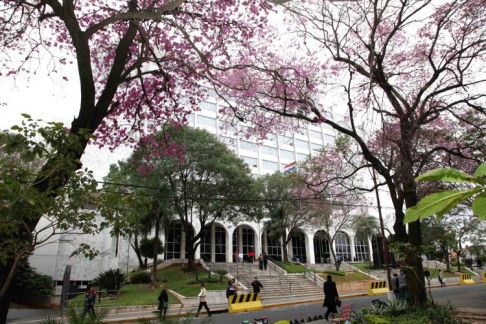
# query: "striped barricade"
{"points": [[466, 279], [377, 288], [244, 302]]}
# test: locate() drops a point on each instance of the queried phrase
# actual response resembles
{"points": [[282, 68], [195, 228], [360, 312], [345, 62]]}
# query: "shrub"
{"points": [[395, 307], [376, 319], [28, 279], [221, 273], [141, 277], [110, 279], [335, 273]]}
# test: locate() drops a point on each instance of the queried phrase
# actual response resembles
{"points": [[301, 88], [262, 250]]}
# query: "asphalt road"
{"points": [[473, 296]]}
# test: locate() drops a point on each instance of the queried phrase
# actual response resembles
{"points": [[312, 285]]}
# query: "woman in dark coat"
{"points": [[331, 293], [163, 302]]}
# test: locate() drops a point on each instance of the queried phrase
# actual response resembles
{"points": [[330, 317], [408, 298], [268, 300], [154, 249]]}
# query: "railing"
{"points": [[207, 263], [280, 273]]}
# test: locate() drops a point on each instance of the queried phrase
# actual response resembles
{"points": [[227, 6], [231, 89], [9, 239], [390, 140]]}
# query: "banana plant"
{"points": [[442, 202]]}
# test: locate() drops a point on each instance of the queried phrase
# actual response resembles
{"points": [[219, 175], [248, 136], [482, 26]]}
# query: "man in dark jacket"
{"points": [[256, 286], [265, 260], [330, 296]]}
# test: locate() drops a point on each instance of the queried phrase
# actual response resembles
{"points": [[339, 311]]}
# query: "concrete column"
{"points": [[183, 244], [213, 243], [370, 249], [229, 245], [265, 241], [309, 248], [240, 239], [351, 247], [258, 242]]}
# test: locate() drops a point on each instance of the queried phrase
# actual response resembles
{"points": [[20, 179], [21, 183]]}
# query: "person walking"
{"points": [[240, 257], [427, 275], [251, 255], [395, 286], [89, 301], [257, 285], [440, 275], [403, 286], [265, 260], [202, 301], [330, 296], [235, 256], [260, 262], [163, 302]]}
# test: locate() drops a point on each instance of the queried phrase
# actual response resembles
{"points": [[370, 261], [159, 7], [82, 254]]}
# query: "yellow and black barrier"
{"points": [[377, 288], [244, 302], [466, 279], [484, 277]]}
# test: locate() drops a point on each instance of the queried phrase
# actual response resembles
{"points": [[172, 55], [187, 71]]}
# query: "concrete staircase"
{"points": [[276, 286], [470, 315]]}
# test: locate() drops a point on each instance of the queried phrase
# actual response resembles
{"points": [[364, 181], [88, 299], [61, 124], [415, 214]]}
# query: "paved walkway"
{"points": [[469, 301]]}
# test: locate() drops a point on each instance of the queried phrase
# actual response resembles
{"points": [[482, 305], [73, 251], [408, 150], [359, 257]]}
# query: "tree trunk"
{"points": [[4, 307], [156, 254], [333, 253], [190, 251], [136, 248]]}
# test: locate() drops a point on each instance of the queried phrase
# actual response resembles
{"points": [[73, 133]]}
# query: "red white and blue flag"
{"points": [[290, 167]]}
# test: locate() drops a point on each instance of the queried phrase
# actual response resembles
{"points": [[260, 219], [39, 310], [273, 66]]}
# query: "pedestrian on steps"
{"points": [[260, 262], [256, 286]]}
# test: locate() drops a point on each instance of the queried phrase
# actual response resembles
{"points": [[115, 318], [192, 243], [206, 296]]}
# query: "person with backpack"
{"points": [[89, 301], [163, 302], [260, 262], [265, 260]]}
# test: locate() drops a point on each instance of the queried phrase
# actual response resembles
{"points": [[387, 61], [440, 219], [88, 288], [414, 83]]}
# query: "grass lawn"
{"points": [[349, 276], [290, 267], [365, 267], [140, 294]]}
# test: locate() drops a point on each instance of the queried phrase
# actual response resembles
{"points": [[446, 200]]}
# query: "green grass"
{"points": [[290, 267], [365, 267], [349, 276], [140, 294]]}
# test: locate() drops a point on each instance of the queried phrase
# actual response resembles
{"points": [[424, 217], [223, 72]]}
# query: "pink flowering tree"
{"points": [[139, 63], [408, 76]]}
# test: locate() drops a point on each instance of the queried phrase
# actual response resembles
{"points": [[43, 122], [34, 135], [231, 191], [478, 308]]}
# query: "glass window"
{"points": [[329, 139], [298, 247], [360, 250], [316, 147], [207, 106], [249, 146], [204, 121], [287, 154], [219, 244], [173, 242], [301, 157], [268, 150], [271, 137], [228, 141], [321, 248], [190, 120], [274, 250], [252, 162], [328, 127], [343, 249], [286, 140], [316, 135], [302, 144], [269, 165], [303, 131], [205, 246]]}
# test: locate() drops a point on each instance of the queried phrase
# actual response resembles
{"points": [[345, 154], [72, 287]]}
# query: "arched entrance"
{"points": [[343, 248], [217, 246], [244, 240], [299, 252], [272, 245], [322, 251], [175, 241]]}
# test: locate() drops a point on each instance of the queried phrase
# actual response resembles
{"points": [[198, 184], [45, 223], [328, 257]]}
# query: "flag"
{"points": [[289, 167]]}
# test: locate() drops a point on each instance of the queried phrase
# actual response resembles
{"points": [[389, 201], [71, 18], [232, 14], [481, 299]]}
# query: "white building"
{"points": [[222, 239]]}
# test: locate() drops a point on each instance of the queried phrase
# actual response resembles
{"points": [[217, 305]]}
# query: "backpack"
{"points": [[89, 300]]}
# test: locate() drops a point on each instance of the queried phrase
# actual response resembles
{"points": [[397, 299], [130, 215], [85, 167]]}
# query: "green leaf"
{"points": [[479, 206], [438, 203], [480, 171], [26, 115], [450, 175]]}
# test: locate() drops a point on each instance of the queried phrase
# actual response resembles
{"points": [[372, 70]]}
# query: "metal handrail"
{"points": [[279, 272]]}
